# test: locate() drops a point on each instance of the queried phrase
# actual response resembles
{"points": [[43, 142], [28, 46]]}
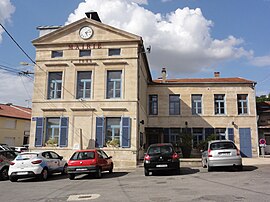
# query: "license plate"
{"points": [[81, 169], [22, 173], [162, 166], [225, 154]]}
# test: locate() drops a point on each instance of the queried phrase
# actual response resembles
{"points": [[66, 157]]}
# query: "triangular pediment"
{"points": [[71, 34]]}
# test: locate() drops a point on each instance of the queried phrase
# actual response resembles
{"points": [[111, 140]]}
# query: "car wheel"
{"points": [[13, 179], [44, 175], [98, 173], [111, 169], [4, 174], [71, 176], [64, 171], [146, 172]]}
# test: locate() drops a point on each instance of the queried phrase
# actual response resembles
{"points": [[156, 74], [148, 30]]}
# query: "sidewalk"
{"points": [[256, 161]]}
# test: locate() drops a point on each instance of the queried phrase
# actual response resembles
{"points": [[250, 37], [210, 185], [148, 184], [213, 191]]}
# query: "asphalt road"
{"points": [[193, 184]]}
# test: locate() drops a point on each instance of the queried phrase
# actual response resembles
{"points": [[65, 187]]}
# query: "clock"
{"points": [[86, 32]]}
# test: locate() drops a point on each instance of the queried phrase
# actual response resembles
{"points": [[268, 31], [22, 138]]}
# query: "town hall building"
{"points": [[93, 89]]}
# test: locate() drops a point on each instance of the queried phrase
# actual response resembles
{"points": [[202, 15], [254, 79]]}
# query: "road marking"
{"points": [[82, 197]]}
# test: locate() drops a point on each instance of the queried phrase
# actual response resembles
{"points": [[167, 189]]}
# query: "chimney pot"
{"points": [[93, 15], [163, 72], [216, 74]]}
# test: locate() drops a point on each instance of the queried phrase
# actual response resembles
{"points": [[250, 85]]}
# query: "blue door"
{"points": [[245, 142]]}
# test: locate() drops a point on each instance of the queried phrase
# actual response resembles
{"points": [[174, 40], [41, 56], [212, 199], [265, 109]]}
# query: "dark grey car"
{"points": [[6, 156], [161, 157]]}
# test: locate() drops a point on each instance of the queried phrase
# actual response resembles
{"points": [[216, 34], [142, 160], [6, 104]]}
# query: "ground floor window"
{"points": [[113, 132], [198, 135], [51, 131]]}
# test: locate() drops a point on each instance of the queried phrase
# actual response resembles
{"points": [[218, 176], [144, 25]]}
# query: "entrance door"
{"points": [[245, 142]]}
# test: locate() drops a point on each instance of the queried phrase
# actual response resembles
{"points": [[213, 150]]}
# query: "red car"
{"points": [[88, 162]]}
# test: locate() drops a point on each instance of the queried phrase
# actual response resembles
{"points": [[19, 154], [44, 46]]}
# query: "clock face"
{"points": [[86, 32]]}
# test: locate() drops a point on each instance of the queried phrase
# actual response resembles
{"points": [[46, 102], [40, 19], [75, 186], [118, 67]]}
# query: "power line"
{"points": [[17, 44]]}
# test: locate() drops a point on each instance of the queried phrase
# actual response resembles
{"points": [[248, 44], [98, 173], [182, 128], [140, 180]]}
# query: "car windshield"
{"points": [[222, 145], [160, 149], [26, 156], [83, 155]]}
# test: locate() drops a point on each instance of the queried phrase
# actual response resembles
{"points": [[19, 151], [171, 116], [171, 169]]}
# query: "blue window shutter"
{"points": [[231, 134], [125, 132], [39, 131], [63, 132], [99, 131]]}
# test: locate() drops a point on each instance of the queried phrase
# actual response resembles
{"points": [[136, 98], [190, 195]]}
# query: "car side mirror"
{"points": [[109, 157], [61, 157]]}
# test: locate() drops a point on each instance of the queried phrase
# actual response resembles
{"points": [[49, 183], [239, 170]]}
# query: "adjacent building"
{"points": [[93, 88], [263, 111], [14, 125]]}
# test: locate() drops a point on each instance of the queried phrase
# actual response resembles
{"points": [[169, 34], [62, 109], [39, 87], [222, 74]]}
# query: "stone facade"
{"points": [[117, 105]]}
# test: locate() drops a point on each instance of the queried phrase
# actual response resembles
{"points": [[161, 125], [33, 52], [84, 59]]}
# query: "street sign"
{"points": [[262, 141]]}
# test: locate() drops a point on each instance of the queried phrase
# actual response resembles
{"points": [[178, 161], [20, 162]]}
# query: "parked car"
{"points": [[36, 164], [6, 156], [4, 147], [89, 161], [161, 157], [221, 153], [20, 149]]}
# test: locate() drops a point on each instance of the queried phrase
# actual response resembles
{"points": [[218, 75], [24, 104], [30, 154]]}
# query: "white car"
{"points": [[36, 164]]}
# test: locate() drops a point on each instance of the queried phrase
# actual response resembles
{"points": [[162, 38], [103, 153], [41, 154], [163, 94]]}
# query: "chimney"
{"points": [[93, 15], [163, 72], [216, 74]]}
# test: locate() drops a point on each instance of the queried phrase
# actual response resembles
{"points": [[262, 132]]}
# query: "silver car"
{"points": [[221, 153]]}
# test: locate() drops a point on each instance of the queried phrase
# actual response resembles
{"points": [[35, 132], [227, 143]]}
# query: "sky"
{"points": [[191, 38]]}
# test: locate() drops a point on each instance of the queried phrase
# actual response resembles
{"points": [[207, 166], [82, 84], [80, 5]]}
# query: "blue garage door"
{"points": [[245, 142]]}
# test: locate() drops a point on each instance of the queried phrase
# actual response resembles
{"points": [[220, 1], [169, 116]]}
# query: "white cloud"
{"points": [[6, 9], [13, 89], [180, 40], [262, 61]]}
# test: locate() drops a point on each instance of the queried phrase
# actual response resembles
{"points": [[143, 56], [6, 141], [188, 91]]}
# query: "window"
{"points": [[55, 85], [84, 53], [220, 133], [242, 101], [112, 129], [196, 104], [84, 80], [52, 131], [57, 54], [197, 134], [114, 83], [114, 51], [174, 104], [153, 104], [219, 104]]}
